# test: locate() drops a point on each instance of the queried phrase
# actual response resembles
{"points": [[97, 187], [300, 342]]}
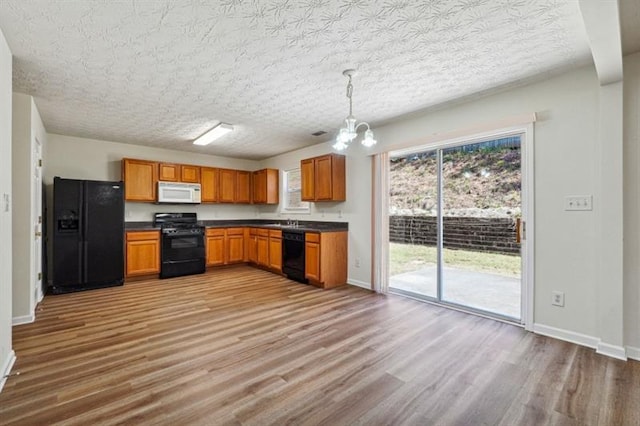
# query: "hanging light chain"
{"points": [[349, 95]]}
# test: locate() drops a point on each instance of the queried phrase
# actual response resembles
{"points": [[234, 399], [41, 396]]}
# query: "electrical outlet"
{"points": [[357, 262], [557, 298], [578, 202]]}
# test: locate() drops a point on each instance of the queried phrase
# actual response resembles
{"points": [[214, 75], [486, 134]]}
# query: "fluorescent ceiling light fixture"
{"points": [[213, 134]]}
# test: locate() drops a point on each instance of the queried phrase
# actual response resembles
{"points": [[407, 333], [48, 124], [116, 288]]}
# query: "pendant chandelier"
{"points": [[350, 131]]}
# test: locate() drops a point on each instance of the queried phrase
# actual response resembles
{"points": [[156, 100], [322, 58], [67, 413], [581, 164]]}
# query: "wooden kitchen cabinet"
{"points": [[209, 185], [234, 244], [227, 191], [253, 246], [170, 172], [189, 174], [140, 179], [243, 187], [142, 253], [266, 186], [263, 247], [225, 246], [326, 258], [323, 178], [275, 250], [215, 247]]}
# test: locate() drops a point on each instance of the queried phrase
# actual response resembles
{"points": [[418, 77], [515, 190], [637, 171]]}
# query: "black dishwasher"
{"points": [[293, 254]]}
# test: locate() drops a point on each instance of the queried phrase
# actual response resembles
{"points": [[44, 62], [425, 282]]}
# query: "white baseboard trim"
{"points": [[633, 353], [566, 335], [6, 368], [602, 348], [359, 283], [613, 351], [25, 319], [40, 296]]}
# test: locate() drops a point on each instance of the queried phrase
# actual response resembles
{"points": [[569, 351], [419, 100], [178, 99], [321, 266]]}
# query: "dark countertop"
{"points": [[303, 225]]}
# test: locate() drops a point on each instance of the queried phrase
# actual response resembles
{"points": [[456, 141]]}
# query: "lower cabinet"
{"points": [[234, 245], [215, 247], [263, 247], [143, 253], [326, 258], [275, 250], [252, 245], [225, 246]]}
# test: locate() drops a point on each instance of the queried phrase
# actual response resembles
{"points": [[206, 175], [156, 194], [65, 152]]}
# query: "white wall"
{"points": [[80, 158], [27, 127], [632, 203], [6, 353]]}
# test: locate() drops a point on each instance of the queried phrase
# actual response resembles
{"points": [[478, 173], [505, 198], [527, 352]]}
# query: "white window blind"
{"points": [[293, 192]]}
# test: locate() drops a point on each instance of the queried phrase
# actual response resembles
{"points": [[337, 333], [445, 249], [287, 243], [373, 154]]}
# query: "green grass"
{"points": [[408, 257]]}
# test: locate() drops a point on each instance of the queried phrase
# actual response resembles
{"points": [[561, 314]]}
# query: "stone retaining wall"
{"points": [[495, 235]]}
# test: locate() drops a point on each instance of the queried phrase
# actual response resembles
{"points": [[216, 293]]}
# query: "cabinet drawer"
{"points": [[253, 231], [143, 235], [235, 231], [275, 233], [312, 237], [263, 232], [215, 232]]}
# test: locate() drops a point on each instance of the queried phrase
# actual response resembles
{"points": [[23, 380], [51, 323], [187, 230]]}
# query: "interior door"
{"points": [[37, 217]]}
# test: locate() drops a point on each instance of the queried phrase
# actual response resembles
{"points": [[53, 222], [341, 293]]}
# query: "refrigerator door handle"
{"points": [[80, 269], [85, 272]]}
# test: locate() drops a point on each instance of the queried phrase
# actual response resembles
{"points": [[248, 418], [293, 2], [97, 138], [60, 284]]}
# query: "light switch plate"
{"points": [[578, 202]]}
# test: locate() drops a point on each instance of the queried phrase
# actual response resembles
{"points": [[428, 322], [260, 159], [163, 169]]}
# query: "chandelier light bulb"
{"points": [[350, 132]]}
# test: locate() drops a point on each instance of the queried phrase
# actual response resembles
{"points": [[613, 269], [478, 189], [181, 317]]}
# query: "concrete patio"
{"points": [[480, 290]]}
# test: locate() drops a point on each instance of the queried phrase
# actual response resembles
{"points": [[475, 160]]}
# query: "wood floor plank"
{"points": [[242, 346]]}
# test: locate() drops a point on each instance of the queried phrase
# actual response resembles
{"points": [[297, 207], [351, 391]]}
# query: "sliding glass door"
{"points": [[455, 215]]}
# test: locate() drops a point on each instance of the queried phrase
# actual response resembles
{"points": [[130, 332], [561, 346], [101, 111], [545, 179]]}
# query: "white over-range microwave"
{"points": [[178, 193]]}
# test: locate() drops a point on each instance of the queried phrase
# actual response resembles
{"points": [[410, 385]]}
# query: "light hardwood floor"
{"points": [[244, 346]]}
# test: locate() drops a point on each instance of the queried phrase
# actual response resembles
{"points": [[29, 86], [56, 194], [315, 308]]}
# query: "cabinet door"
{"points": [[227, 193], [260, 187], [140, 179], [307, 170], [143, 257], [190, 174], [169, 172], [253, 247], [243, 186], [234, 245], [312, 260], [323, 178], [275, 253], [263, 250], [209, 184], [215, 248]]}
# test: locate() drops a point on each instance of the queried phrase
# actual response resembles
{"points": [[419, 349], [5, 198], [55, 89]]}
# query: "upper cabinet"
{"points": [[323, 178], [243, 186], [190, 174], [168, 172], [234, 186], [227, 193], [217, 185], [266, 186], [209, 184], [140, 178]]}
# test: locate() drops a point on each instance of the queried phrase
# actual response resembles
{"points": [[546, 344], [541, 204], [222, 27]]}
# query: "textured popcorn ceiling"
{"points": [[160, 73]]}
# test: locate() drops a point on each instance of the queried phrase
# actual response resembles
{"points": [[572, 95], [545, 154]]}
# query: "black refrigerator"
{"points": [[88, 232]]}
